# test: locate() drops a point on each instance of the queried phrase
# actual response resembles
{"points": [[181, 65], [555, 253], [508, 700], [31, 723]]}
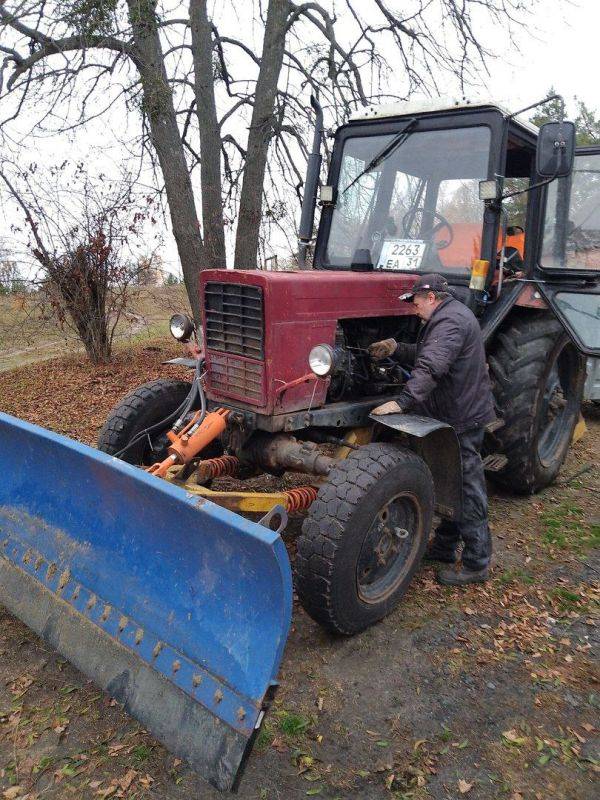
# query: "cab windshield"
{"points": [[417, 207]]}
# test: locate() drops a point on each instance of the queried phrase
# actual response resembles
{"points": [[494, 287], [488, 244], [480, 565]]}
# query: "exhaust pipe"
{"points": [[309, 201]]}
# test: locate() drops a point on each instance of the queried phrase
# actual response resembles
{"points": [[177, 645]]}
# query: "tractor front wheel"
{"points": [[363, 537], [143, 408]]}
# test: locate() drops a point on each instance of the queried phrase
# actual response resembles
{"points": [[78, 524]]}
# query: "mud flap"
{"points": [[437, 444], [178, 608]]}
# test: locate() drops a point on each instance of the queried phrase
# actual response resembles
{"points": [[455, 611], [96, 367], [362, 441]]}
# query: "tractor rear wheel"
{"points": [[144, 407], [537, 376], [363, 537]]}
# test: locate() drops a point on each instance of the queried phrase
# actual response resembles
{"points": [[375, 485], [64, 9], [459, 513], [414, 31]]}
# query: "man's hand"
{"points": [[382, 349], [390, 407]]}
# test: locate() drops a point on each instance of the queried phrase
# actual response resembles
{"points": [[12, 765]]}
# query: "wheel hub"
{"points": [[386, 549], [555, 403]]}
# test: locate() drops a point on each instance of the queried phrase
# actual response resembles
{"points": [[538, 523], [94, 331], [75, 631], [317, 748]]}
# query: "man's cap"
{"points": [[426, 283]]}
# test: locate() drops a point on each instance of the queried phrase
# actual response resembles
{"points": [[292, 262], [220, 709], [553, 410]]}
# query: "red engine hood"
{"points": [[300, 310], [323, 294]]}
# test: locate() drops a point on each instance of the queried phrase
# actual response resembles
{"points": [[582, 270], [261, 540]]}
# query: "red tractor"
{"points": [[284, 380]]}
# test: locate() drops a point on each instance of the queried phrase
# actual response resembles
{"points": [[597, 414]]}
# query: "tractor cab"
{"points": [[460, 189], [406, 189]]}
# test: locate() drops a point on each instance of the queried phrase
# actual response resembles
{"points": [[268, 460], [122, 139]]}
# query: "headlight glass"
{"points": [[320, 359], [181, 327]]}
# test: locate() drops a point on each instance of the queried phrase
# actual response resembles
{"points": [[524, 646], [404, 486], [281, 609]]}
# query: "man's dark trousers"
{"points": [[472, 527]]}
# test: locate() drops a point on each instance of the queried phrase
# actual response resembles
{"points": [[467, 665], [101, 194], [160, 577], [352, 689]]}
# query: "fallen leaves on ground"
{"points": [[513, 738], [71, 396]]}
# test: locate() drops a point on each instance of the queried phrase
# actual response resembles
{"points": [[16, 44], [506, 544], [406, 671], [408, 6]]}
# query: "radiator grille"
{"points": [[237, 378], [234, 319]]}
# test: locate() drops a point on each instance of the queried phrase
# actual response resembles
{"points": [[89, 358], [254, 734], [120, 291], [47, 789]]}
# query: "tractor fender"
{"points": [[437, 444]]}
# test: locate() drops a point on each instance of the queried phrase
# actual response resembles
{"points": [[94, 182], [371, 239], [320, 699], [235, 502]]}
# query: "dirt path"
{"points": [[489, 692]]}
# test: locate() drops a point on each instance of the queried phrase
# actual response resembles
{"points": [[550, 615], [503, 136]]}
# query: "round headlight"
{"points": [[320, 359], [181, 327]]}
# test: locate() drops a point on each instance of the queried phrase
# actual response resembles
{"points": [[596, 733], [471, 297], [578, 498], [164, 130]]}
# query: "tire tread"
{"points": [[517, 365], [121, 423], [323, 529]]}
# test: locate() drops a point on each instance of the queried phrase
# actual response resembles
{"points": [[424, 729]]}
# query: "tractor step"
{"points": [[494, 462]]}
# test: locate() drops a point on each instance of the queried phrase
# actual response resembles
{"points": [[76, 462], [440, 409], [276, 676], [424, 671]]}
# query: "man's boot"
{"points": [[436, 551], [462, 576]]}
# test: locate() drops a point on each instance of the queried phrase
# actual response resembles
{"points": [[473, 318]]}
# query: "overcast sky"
{"points": [[557, 47]]}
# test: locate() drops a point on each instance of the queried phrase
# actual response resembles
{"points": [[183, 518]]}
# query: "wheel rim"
{"points": [[557, 404], [388, 549]]}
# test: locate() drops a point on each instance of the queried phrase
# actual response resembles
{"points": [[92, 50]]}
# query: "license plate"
{"points": [[401, 254]]}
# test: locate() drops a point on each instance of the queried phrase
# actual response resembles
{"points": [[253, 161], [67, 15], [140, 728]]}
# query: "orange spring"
{"points": [[218, 467], [300, 499]]}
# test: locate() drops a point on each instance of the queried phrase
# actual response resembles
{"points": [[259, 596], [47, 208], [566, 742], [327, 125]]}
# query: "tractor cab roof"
{"points": [[424, 106]]}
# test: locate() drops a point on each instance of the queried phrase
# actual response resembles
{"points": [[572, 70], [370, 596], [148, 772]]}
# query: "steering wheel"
{"points": [[413, 229]]}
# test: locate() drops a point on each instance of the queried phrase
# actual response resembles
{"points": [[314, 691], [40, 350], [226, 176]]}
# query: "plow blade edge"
{"points": [[178, 608]]}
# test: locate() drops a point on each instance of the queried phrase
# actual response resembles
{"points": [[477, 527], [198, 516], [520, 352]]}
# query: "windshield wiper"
{"points": [[387, 151]]}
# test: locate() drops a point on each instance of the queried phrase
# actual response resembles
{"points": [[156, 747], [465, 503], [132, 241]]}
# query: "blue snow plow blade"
{"points": [[178, 608]]}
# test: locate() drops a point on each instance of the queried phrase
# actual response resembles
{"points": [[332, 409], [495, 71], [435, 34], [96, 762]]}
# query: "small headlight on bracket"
{"points": [[489, 190], [182, 327], [327, 194], [320, 360]]}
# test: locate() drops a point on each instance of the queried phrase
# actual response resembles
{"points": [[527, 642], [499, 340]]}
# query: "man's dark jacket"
{"points": [[449, 380]]}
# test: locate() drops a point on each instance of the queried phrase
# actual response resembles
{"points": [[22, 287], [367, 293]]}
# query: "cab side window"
{"points": [[572, 220]]}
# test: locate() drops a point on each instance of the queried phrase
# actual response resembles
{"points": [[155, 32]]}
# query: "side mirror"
{"points": [[555, 150]]}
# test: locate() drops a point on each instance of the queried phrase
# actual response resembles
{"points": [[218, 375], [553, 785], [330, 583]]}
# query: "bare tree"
{"points": [[11, 279], [81, 247], [202, 83]]}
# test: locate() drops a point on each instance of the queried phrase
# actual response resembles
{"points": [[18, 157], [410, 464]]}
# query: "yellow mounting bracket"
{"points": [[357, 436], [235, 501]]}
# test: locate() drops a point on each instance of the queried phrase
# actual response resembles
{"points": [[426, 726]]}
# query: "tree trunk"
{"points": [[83, 297], [158, 106], [210, 136], [261, 132]]}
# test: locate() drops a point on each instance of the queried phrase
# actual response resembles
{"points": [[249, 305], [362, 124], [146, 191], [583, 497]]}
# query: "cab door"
{"points": [[568, 268]]}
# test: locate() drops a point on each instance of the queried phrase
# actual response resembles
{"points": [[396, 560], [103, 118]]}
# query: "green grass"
{"points": [[516, 576], [564, 528], [567, 600], [141, 753], [292, 724], [10, 772], [446, 733], [26, 337], [44, 763], [265, 737]]}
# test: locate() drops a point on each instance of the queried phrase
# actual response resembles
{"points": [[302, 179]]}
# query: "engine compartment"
{"points": [[356, 374]]}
